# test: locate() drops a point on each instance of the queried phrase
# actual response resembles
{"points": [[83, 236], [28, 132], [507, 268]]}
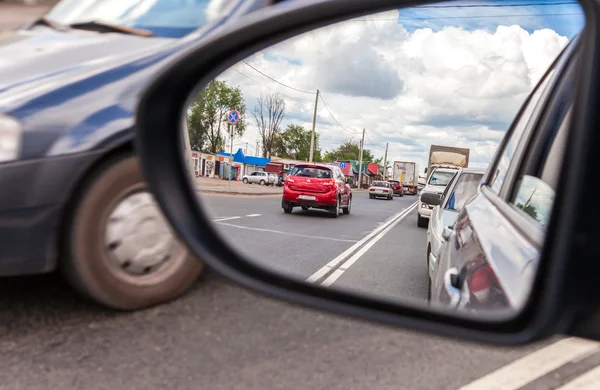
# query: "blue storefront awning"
{"points": [[239, 157]]}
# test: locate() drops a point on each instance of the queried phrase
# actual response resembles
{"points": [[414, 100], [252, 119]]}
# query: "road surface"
{"points": [[220, 336]]}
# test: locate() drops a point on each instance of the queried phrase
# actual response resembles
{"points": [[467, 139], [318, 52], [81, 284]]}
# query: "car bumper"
{"points": [[32, 198], [322, 200]]}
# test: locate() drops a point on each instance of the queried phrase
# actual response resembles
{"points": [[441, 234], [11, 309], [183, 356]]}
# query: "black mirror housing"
{"points": [[431, 198]]}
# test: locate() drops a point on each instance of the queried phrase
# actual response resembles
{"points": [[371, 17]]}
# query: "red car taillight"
{"points": [[481, 283]]}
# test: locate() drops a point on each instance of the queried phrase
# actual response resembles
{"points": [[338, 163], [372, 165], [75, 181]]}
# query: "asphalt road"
{"points": [[220, 336]]}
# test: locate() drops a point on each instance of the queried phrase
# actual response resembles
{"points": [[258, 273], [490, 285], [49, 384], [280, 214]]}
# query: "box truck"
{"points": [[407, 173]]}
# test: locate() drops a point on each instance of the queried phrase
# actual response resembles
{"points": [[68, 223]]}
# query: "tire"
{"points": [[288, 209], [335, 211], [262, 183], [304, 208], [370, 196], [392, 197], [429, 290], [95, 267], [422, 222], [245, 181], [348, 208]]}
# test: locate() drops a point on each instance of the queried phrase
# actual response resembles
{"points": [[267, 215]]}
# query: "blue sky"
{"points": [[563, 16]]}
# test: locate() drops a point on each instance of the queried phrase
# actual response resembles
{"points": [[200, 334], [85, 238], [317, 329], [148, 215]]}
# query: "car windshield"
{"points": [[164, 18], [319, 173], [379, 184], [440, 178], [465, 188]]}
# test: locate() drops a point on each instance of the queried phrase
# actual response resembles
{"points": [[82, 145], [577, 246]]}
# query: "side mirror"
{"points": [[431, 198], [318, 275]]}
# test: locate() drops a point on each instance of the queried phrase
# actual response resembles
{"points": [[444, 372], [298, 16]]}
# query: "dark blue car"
{"points": [[72, 196]]}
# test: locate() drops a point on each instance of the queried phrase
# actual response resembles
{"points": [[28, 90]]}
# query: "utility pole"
{"points": [[312, 135], [257, 148], [188, 148], [385, 162], [362, 142]]}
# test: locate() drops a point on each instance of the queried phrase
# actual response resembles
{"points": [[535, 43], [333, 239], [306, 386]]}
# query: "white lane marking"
{"points": [[225, 219], [333, 263], [286, 233], [588, 381], [348, 263], [533, 366], [253, 215]]}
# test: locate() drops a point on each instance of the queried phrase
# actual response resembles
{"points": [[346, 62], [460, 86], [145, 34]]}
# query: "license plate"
{"points": [[307, 197]]}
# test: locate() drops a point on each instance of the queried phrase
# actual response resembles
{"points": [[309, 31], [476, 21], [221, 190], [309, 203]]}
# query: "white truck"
{"points": [[407, 173], [443, 163]]}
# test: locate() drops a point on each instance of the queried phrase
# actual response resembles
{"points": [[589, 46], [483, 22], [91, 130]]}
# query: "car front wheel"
{"points": [[422, 222], [118, 248]]}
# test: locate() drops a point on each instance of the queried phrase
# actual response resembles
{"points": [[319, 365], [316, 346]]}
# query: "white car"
{"points": [[462, 187], [381, 189], [436, 184], [259, 177]]}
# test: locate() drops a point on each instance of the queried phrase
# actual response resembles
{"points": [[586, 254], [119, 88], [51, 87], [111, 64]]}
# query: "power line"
{"points": [[467, 17], [498, 5], [278, 82], [336, 121], [259, 83], [373, 145]]}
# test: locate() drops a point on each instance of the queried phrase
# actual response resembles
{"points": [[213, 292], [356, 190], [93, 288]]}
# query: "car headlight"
{"points": [[10, 138]]}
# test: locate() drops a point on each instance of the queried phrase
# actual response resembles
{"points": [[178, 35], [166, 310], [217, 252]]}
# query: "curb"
{"points": [[238, 193]]}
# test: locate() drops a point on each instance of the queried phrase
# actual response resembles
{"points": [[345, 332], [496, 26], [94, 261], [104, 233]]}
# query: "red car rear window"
{"points": [[319, 173]]}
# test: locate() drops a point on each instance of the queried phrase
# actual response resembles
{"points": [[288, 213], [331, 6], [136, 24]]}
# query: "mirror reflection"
{"points": [[361, 156]]}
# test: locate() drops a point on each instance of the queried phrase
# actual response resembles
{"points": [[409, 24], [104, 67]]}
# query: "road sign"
{"points": [[342, 165], [233, 117]]}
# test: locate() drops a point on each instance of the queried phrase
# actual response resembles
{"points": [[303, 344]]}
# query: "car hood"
{"points": [[434, 189], [34, 62]]}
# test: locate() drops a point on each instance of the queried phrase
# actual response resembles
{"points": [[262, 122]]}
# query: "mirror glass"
{"points": [[311, 156]]}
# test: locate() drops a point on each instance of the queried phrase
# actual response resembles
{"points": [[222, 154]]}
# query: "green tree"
{"points": [[349, 150], [294, 143], [207, 116]]}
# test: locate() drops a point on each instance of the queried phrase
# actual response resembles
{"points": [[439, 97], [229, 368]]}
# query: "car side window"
{"points": [[519, 127], [534, 196], [465, 189]]}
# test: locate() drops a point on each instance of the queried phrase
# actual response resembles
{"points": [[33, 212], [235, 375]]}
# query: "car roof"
{"points": [[473, 170], [450, 170], [315, 165]]}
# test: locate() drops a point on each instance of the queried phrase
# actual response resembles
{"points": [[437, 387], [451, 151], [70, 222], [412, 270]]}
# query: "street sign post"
{"points": [[233, 118]]}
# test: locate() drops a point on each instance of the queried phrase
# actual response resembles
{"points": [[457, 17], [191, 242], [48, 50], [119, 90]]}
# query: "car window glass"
{"points": [[535, 198], [440, 178], [465, 188], [515, 137]]}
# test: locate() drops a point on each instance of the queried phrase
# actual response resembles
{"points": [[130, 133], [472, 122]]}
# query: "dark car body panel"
{"points": [[75, 94]]}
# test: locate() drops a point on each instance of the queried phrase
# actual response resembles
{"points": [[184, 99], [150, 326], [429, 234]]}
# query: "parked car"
{"points": [[72, 195], [259, 177], [498, 235], [381, 189], [397, 187], [317, 186], [436, 184], [462, 187]]}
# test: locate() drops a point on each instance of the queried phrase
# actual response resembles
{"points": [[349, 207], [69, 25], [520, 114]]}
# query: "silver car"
{"points": [[461, 188], [259, 177]]}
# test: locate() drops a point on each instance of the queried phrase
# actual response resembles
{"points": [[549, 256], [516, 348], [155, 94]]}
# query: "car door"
{"points": [[491, 254]]}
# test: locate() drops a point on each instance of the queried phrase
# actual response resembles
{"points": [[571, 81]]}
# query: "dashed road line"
{"points": [[588, 381], [285, 233]]}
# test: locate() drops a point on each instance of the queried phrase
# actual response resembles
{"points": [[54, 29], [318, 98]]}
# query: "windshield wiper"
{"points": [[107, 27], [44, 21]]}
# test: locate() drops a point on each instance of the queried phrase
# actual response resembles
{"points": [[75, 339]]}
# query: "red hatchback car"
{"points": [[317, 186], [397, 186]]}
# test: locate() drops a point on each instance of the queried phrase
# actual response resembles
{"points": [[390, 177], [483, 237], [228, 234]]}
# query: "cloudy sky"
{"points": [[452, 73]]}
